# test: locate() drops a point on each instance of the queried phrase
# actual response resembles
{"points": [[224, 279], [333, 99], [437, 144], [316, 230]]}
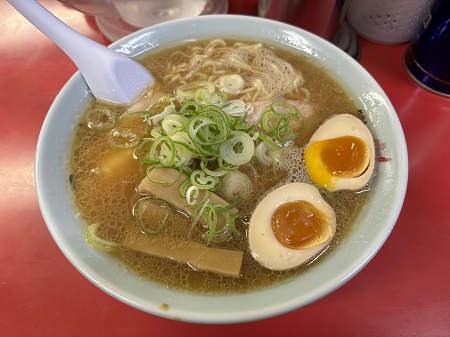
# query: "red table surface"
{"points": [[404, 291]]}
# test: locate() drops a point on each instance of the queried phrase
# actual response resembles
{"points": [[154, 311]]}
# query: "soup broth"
{"points": [[105, 178]]}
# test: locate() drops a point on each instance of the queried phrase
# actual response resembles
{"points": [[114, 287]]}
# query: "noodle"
{"points": [[250, 60]]}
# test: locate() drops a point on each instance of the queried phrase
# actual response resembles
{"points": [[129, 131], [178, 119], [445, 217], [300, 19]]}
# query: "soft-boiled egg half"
{"points": [[290, 226], [341, 154]]}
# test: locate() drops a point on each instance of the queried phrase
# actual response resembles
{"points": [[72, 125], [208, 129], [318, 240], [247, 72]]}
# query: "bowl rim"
{"points": [[291, 37]]}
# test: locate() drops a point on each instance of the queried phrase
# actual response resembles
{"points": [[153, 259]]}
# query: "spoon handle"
{"points": [[111, 76], [69, 40]]}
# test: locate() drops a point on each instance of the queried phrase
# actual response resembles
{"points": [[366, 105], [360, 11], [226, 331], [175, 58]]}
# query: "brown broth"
{"points": [[108, 200]]}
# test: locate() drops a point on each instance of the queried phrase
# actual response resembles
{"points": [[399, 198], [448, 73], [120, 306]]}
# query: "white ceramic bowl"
{"points": [[371, 229]]}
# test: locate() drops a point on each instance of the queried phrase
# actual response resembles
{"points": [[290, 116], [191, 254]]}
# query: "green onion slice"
{"points": [[164, 149], [157, 152], [188, 91], [155, 119], [173, 122], [232, 83], [97, 242], [133, 121], [203, 97], [281, 122], [214, 173], [121, 138], [208, 130], [202, 181], [152, 214], [239, 149], [189, 108], [238, 108], [284, 108], [100, 118], [192, 194]]}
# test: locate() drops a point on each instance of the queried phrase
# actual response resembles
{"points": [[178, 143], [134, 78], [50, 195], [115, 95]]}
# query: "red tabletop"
{"points": [[404, 291]]}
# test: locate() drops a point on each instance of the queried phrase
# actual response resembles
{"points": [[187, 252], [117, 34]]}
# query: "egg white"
{"points": [[347, 125], [265, 247]]}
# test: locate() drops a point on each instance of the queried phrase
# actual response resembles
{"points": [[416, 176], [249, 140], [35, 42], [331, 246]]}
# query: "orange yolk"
{"points": [[299, 225], [344, 157]]}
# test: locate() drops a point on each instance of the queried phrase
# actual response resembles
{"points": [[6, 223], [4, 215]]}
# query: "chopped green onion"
{"points": [[236, 184], [208, 130], [157, 152], [155, 119], [223, 209], [182, 189], [188, 91], [192, 195], [173, 122], [97, 242], [156, 109], [269, 121], [238, 108], [215, 173], [100, 118], [211, 213], [224, 165], [284, 108], [198, 213], [202, 181], [189, 108], [157, 131], [232, 84], [152, 214], [278, 122], [163, 151], [128, 130], [184, 148], [134, 121], [267, 155], [203, 97], [123, 138], [239, 149], [205, 136]]}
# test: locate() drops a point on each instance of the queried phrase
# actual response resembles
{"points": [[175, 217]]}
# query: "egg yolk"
{"points": [[300, 225], [342, 157]]}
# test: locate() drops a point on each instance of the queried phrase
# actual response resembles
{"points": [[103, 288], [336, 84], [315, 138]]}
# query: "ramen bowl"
{"points": [[372, 226]]}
